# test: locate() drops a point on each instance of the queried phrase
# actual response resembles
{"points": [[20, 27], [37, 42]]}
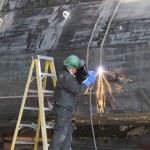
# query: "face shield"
{"points": [[81, 72]]}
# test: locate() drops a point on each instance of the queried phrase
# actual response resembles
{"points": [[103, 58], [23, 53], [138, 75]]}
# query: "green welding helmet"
{"points": [[72, 61]]}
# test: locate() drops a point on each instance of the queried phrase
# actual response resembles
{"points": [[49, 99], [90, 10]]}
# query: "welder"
{"points": [[64, 101]]}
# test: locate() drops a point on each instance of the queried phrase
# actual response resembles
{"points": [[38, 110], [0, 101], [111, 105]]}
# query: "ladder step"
{"points": [[44, 91], [26, 125], [35, 108], [48, 74], [48, 91], [33, 91], [49, 127], [30, 126], [45, 57], [28, 143], [24, 142]]}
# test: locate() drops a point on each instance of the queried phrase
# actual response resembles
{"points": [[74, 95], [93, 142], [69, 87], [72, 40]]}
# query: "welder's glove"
{"points": [[90, 79], [90, 72]]}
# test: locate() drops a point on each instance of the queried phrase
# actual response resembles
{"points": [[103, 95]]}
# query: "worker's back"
{"points": [[66, 90]]}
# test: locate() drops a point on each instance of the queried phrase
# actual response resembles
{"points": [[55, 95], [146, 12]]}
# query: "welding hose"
{"points": [[91, 114]]}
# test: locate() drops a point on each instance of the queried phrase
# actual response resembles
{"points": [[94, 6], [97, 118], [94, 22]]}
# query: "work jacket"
{"points": [[66, 90]]}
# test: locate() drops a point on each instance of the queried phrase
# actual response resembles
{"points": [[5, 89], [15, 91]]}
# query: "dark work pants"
{"points": [[62, 135]]}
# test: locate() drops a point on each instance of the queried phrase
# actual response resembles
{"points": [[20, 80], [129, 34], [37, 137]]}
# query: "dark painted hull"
{"points": [[28, 32]]}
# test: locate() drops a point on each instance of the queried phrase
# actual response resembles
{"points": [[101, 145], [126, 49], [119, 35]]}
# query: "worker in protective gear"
{"points": [[64, 102]]}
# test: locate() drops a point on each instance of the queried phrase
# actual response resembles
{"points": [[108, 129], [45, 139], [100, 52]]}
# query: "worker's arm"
{"points": [[73, 86]]}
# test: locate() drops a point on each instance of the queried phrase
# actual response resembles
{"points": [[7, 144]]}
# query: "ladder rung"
{"points": [[26, 125], [48, 74], [33, 91], [49, 127], [24, 142], [30, 125], [44, 91], [48, 91], [45, 57], [35, 108]]}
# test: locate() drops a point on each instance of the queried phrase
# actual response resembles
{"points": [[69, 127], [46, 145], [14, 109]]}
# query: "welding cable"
{"points": [[108, 27], [95, 26], [91, 114]]}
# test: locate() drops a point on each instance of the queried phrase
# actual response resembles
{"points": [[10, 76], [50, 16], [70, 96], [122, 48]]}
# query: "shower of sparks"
{"points": [[104, 85]]}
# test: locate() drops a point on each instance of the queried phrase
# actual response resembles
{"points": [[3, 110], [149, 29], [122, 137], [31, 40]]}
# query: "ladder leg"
{"points": [[46, 71], [44, 86], [53, 71], [22, 105], [41, 106], [37, 133]]}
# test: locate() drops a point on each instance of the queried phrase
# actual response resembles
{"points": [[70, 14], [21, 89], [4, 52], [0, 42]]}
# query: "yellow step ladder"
{"points": [[41, 78]]}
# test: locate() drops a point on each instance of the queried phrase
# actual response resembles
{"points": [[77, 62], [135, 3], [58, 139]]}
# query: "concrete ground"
{"points": [[102, 144]]}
